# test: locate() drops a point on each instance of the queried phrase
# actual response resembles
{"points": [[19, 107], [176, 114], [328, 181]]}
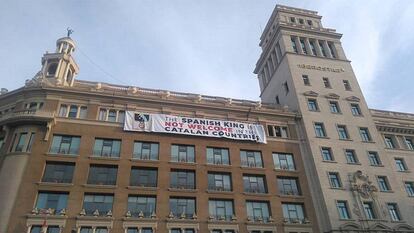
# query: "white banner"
{"points": [[161, 123]]}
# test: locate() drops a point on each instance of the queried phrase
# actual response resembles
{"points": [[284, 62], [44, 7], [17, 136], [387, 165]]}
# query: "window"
{"points": [[107, 147], [322, 47], [293, 42], [374, 159], [143, 177], [383, 184], [326, 82], [21, 142], [394, 212], [182, 206], [219, 181], [343, 209], [101, 230], [63, 110], [286, 87], [356, 111], [351, 157], [319, 130], [141, 205], [254, 184], [400, 163], [218, 156], [258, 210], [312, 47], [53, 200], [327, 154], [182, 153], [334, 106], [24, 142], [408, 143], [409, 188], [288, 186], [83, 112], [63, 144], [332, 50], [302, 44], [111, 115], [178, 230], [102, 174], [312, 105], [51, 71], [251, 158], [58, 172], [86, 230], [135, 230], [347, 85], [369, 210], [343, 132], [334, 180], [301, 21], [100, 202], [306, 80], [389, 142], [292, 19], [145, 151], [36, 229], [73, 111], [365, 136], [182, 179], [309, 22], [53, 229], [283, 161], [221, 209], [278, 131], [293, 212]]}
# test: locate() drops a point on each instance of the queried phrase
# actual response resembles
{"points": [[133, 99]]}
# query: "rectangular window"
{"points": [[334, 180], [283, 161], [218, 156], [408, 143], [21, 142], [312, 47], [369, 210], [383, 184], [322, 47], [219, 181], [389, 142], [112, 115], [58, 172], [107, 147], [102, 114], [347, 85], [326, 82], [365, 135], [182, 153], [342, 132], [293, 42], [143, 177], [356, 111], [182, 179], [306, 80], [86, 230], [100, 202], [254, 184], [351, 157], [258, 210], [73, 111], [301, 21], [374, 159], [327, 154], [63, 110], [312, 105], [303, 46], [332, 50], [182, 207], [292, 19], [83, 112], [320, 130], [64, 144], [251, 158], [53, 200], [221, 209], [141, 205], [288, 186], [334, 106], [278, 131], [293, 212], [102, 174], [409, 188], [400, 164], [343, 209], [145, 150], [394, 212]]}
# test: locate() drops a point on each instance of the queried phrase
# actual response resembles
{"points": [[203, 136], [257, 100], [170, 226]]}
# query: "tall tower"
{"points": [[59, 68], [303, 66]]}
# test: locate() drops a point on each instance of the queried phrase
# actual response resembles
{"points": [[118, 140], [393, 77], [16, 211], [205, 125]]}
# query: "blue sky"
{"points": [[204, 46]]}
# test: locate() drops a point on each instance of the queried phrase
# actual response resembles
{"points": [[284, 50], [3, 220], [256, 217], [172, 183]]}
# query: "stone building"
{"points": [[357, 160]]}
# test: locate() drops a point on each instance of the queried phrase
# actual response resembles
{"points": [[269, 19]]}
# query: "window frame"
{"points": [[346, 208], [320, 130], [189, 158], [338, 184], [313, 105]]}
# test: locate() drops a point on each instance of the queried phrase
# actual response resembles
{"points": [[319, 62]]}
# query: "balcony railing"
{"points": [[255, 190], [219, 188], [296, 220], [27, 115], [57, 180], [290, 192], [182, 186]]}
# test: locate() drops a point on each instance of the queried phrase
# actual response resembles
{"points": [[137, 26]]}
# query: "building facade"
{"points": [[68, 165], [357, 160]]}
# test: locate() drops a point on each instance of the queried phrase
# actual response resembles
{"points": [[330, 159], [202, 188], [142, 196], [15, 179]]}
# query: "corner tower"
{"points": [[303, 66]]}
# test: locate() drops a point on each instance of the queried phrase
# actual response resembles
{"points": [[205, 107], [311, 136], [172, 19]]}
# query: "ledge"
{"points": [[256, 194], [220, 192], [62, 155], [253, 168], [99, 186], [182, 190], [144, 160], [142, 188], [329, 161], [103, 158], [291, 196], [182, 163], [54, 184]]}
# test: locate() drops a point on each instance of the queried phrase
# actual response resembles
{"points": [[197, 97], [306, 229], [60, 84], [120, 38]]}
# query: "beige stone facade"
{"points": [[356, 183]]}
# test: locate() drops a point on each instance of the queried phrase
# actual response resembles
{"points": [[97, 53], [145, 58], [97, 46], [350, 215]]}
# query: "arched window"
{"points": [[52, 69]]}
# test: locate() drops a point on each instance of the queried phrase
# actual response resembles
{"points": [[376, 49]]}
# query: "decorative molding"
{"points": [[310, 93], [332, 96], [353, 99]]}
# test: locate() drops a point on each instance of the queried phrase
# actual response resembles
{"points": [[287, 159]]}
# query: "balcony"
{"points": [[26, 116]]}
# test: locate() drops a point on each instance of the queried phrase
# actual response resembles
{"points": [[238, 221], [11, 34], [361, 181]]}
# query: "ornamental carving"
{"points": [[361, 184]]}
